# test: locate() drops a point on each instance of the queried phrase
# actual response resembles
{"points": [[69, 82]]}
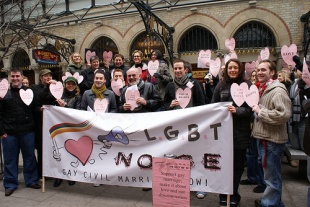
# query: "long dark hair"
{"points": [[240, 77]]}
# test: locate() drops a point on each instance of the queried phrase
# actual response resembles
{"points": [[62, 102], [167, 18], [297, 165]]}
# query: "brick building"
{"points": [[198, 25]]}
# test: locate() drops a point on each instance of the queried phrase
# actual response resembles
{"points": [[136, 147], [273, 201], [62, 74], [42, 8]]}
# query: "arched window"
{"points": [[254, 34], [197, 38], [20, 60], [147, 43], [104, 44]]}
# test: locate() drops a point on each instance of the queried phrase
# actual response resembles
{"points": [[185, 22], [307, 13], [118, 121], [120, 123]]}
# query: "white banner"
{"points": [[117, 149]]}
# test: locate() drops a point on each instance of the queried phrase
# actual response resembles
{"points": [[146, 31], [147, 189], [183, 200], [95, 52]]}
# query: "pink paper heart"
{"points": [[56, 89], [215, 66], [305, 73], [230, 44], [251, 96], [88, 55], [101, 105], [131, 97], [204, 57], [249, 68], [183, 96], [26, 96], [237, 91], [230, 56], [4, 87], [153, 67], [80, 149], [288, 53], [116, 85], [107, 56], [264, 53], [78, 77]]}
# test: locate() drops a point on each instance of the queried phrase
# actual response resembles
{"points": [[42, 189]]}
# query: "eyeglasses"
{"points": [[137, 56]]}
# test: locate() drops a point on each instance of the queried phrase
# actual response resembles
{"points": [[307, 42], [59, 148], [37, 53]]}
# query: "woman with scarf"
{"points": [[71, 98], [137, 56], [234, 73], [75, 63]]}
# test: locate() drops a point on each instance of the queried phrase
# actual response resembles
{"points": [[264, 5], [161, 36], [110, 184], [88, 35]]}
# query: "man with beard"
{"points": [[149, 99], [182, 81]]}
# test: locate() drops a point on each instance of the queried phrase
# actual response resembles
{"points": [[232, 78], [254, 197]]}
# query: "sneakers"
{"points": [[201, 195], [259, 189], [247, 182]]}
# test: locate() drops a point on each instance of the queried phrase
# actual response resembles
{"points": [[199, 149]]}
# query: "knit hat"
{"points": [[44, 72], [70, 78]]}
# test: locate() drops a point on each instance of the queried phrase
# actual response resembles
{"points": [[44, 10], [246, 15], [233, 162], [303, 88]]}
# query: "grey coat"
{"points": [[89, 100]]}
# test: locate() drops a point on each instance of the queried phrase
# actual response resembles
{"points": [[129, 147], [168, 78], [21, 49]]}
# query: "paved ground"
{"points": [[295, 188]]}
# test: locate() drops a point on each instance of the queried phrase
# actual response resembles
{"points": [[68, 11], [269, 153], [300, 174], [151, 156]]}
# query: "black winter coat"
{"points": [[242, 117], [16, 118]]}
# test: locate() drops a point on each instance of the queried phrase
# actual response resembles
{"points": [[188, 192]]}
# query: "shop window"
{"points": [[197, 38]]}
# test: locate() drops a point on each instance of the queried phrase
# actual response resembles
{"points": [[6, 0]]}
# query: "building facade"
{"points": [[198, 25]]}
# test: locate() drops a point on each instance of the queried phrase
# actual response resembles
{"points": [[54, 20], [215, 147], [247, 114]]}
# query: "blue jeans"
{"points": [[272, 173], [11, 146], [308, 175], [252, 162]]}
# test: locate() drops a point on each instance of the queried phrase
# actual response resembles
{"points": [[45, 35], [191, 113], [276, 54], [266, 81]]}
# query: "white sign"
{"points": [[117, 149]]}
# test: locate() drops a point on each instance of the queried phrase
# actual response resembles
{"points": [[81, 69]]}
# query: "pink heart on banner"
{"points": [[116, 85], [237, 91], [88, 55], [288, 53], [4, 87], [153, 67], [264, 53], [183, 96], [215, 66], [305, 73], [56, 89], [26, 96], [204, 57], [230, 44], [250, 67], [101, 105], [107, 56], [131, 96], [80, 149], [230, 56], [251, 96]]}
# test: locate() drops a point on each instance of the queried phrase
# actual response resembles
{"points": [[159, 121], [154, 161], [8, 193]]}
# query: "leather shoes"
{"points": [[57, 182], [71, 182], [247, 182], [8, 192], [259, 189], [35, 186], [258, 203]]}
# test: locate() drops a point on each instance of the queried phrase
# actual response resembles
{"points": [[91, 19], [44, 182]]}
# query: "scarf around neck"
{"points": [[262, 86], [182, 82], [99, 91]]}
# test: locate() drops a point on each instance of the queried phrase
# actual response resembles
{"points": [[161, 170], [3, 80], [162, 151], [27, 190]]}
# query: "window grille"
{"points": [[20, 60], [197, 38], [254, 34], [104, 44]]}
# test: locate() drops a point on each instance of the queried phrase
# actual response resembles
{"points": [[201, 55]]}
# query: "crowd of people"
{"points": [[260, 132]]}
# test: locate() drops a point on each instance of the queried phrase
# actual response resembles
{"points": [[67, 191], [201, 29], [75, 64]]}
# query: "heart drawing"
{"points": [[80, 149]]}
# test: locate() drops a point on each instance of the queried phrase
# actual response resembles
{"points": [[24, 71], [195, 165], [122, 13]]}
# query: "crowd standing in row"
{"points": [[260, 132]]}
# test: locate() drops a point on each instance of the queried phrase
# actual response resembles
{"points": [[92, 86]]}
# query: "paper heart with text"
{"points": [[116, 85], [230, 56], [204, 57], [305, 73], [57, 89], [26, 96], [4, 87], [287, 53], [107, 56], [153, 67], [88, 55], [264, 54], [183, 96], [101, 105], [237, 91], [230, 44], [215, 66], [131, 96]]}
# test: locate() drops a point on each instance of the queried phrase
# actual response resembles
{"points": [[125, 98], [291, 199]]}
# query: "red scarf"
{"points": [[262, 86]]}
